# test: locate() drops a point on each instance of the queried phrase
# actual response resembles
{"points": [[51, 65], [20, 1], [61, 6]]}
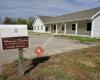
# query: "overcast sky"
{"points": [[27, 8]]}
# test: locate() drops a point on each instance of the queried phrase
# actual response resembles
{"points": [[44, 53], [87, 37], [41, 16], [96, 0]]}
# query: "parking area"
{"points": [[50, 44]]}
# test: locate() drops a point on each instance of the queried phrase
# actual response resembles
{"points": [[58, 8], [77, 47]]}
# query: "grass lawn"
{"points": [[81, 64], [79, 38]]}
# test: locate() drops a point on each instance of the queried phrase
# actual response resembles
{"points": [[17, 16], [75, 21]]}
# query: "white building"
{"points": [[83, 23]]}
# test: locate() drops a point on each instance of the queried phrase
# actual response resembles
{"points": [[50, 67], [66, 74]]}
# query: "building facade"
{"points": [[83, 23]]}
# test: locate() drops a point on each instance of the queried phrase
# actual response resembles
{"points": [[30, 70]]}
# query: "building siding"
{"points": [[82, 28], [96, 27], [38, 26]]}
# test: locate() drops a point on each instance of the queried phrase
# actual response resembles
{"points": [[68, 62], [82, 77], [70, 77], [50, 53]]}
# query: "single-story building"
{"points": [[83, 23]]}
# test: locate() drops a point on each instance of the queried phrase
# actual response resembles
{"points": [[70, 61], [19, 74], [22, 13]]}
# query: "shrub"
{"points": [[2, 77]]}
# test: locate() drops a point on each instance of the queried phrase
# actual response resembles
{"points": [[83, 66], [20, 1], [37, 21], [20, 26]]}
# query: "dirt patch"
{"points": [[88, 63], [74, 65]]}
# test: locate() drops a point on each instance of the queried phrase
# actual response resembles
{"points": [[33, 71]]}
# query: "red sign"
{"points": [[39, 51], [14, 42]]}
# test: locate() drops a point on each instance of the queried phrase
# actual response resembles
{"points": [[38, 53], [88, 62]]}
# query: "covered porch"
{"points": [[81, 28]]}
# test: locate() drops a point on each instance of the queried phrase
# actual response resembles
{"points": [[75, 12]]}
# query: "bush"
{"points": [[98, 61], [2, 77]]}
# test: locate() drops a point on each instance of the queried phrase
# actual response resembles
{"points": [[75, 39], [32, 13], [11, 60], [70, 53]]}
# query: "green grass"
{"points": [[98, 61], [56, 73], [24, 59], [81, 39], [90, 72], [2, 77], [81, 64]]}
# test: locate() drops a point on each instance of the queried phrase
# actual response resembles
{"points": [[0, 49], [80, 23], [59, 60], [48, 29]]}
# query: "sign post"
{"points": [[15, 37], [21, 67], [16, 43]]}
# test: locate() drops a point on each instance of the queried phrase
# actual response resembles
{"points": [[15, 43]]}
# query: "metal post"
{"points": [[21, 70]]}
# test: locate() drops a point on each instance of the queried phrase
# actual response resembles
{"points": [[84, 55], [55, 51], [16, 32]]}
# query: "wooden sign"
{"points": [[14, 42], [14, 37]]}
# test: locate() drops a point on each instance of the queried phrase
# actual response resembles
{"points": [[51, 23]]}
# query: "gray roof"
{"points": [[86, 14], [45, 18]]}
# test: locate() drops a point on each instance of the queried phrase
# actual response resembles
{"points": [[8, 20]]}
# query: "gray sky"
{"points": [[27, 8]]}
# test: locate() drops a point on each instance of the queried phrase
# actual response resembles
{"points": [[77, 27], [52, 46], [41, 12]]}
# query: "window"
{"points": [[46, 28], [89, 26], [62, 27], [54, 27], [73, 26]]}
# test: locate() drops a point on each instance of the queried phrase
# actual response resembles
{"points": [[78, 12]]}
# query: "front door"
{"points": [[46, 28]]}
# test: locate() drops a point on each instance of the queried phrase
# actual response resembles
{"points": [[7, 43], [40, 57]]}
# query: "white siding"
{"points": [[38, 26], [82, 28], [7, 30], [69, 28], [96, 27], [13, 30]]}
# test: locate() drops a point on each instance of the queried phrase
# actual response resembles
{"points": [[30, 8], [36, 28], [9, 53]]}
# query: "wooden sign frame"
{"points": [[15, 42]]}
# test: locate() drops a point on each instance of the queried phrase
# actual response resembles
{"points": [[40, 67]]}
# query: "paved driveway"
{"points": [[51, 45]]}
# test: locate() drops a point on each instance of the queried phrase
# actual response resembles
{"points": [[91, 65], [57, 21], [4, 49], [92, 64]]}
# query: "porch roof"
{"points": [[82, 15]]}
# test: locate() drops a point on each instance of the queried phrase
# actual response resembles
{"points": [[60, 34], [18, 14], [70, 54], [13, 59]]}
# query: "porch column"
{"points": [[50, 28], [64, 29], [56, 29], [76, 28], [92, 30]]}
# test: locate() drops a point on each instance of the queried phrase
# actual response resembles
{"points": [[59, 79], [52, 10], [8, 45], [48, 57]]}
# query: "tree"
{"points": [[20, 21], [30, 23], [8, 20]]}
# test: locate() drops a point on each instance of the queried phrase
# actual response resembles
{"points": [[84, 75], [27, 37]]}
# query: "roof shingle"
{"points": [[86, 14]]}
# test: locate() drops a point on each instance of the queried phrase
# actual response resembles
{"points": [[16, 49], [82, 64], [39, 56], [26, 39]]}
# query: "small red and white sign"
{"points": [[39, 51]]}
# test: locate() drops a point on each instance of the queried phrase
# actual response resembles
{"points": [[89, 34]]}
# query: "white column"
{"points": [[50, 28], [92, 30], [64, 29], [76, 29], [56, 29]]}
